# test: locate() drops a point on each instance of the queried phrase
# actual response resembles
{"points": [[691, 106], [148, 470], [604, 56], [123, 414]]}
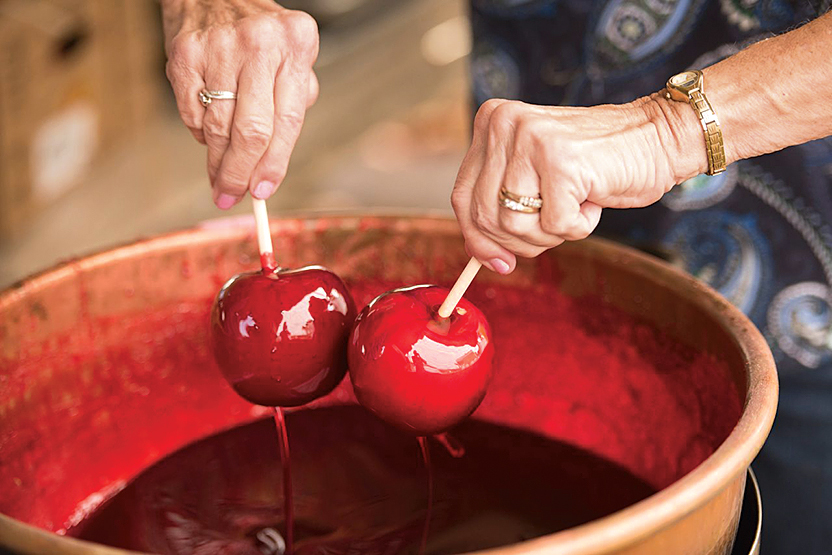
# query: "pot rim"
{"points": [[616, 531]]}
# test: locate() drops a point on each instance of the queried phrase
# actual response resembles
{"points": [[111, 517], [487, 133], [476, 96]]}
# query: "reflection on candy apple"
{"points": [[414, 369], [280, 337]]}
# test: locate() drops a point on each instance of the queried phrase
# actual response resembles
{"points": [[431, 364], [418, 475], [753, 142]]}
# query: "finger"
{"points": [[251, 129], [522, 179], [484, 201], [487, 251], [184, 70], [485, 207], [566, 212], [479, 245], [314, 90], [291, 91], [589, 220], [221, 74]]}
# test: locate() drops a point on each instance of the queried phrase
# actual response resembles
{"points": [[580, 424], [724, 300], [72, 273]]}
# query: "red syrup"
{"points": [[424, 447], [267, 261], [604, 384], [286, 463], [360, 488]]}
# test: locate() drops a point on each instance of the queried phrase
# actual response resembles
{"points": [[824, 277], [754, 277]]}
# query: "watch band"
{"points": [[690, 86], [713, 134]]}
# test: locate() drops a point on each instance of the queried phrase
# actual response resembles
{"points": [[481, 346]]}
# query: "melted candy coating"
{"points": [[414, 369], [280, 337]]}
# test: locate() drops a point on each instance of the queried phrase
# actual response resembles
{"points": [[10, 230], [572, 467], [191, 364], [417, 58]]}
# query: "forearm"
{"points": [[770, 96], [776, 93]]}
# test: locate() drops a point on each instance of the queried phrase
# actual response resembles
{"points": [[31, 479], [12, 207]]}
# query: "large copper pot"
{"points": [[47, 409]]}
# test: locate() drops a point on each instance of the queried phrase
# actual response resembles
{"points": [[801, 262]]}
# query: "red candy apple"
{"points": [[418, 371], [280, 337]]}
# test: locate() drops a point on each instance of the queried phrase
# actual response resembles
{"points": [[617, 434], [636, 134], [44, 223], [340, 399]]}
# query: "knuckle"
{"points": [[529, 131], [184, 49], [172, 72], [180, 73], [291, 119], [508, 110], [487, 108], [273, 170], [457, 199], [503, 120], [484, 113], [302, 30], [256, 33], [482, 219], [197, 133], [581, 230], [221, 38], [190, 117], [231, 180], [547, 226], [553, 226], [252, 133], [314, 89], [216, 131]]}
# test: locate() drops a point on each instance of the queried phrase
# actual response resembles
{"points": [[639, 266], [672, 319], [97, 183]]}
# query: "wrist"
{"points": [[679, 135]]}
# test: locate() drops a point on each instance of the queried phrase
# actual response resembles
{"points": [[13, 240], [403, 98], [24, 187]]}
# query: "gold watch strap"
{"points": [[713, 134]]}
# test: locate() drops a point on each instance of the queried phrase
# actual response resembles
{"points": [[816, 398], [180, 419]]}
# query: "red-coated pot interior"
{"points": [[105, 365]]}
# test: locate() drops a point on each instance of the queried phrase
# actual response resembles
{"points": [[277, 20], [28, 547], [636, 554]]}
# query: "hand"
{"points": [[264, 53], [578, 160]]}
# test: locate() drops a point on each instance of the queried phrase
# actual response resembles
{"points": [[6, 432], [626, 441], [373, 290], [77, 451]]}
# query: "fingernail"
{"points": [[264, 189], [224, 201], [499, 266]]}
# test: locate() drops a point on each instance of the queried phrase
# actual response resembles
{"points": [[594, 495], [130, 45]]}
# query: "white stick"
{"points": [[459, 288], [264, 235]]}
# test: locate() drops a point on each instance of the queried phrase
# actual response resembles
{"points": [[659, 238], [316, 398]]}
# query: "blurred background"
{"points": [[92, 152]]}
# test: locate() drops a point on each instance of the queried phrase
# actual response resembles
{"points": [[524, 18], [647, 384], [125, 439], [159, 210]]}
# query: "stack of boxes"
{"points": [[77, 78]]}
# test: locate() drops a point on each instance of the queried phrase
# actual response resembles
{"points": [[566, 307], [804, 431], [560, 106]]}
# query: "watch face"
{"points": [[684, 80]]}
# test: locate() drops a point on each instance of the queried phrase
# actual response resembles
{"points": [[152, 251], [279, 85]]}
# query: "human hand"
{"points": [[264, 53], [578, 160]]}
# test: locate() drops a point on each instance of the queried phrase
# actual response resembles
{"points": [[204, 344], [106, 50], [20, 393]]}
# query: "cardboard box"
{"points": [[49, 94], [132, 68], [77, 77]]}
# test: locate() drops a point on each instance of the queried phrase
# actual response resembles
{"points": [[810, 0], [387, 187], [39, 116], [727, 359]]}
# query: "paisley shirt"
{"points": [[760, 233]]}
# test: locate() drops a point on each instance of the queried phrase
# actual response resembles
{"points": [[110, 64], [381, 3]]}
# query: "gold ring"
{"points": [[519, 203], [206, 96]]}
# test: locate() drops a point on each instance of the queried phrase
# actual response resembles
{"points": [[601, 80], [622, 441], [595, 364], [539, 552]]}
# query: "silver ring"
{"points": [[519, 203], [206, 96]]}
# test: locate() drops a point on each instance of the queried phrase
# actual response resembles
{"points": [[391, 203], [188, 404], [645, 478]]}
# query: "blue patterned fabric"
{"points": [[760, 233]]}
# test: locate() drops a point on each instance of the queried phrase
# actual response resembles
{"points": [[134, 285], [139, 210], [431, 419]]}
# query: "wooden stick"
{"points": [[264, 234], [459, 288]]}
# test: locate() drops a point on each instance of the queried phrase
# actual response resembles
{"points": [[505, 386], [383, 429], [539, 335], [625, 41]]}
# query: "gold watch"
{"points": [[689, 86]]}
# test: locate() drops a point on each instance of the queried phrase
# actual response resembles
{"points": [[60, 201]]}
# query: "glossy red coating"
{"points": [[280, 337], [417, 371], [267, 261]]}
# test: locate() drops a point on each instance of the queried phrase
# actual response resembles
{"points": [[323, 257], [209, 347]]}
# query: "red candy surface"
{"points": [[414, 369], [280, 337]]}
